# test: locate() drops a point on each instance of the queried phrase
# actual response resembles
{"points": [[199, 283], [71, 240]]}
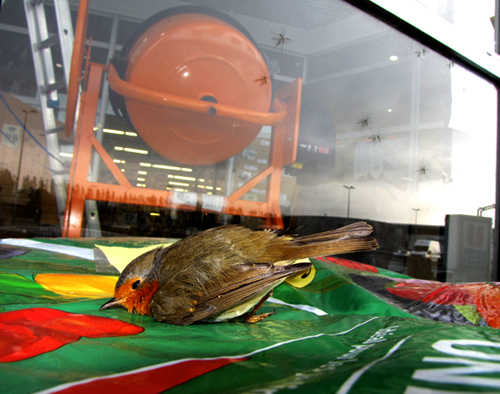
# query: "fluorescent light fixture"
{"points": [[111, 131], [166, 167], [145, 164], [131, 134], [201, 186], [178, 183], [187, 169], [184, 178], [141, 179], [142, 172], [179, 190], [123, 169], [141, 185], [209, 187], [209, 193], [154, 214], [118, 147], [201, 180], [132, 150], [218, 188]]}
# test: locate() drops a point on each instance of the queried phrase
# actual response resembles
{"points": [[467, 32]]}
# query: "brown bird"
{"points": [[224, 272]]}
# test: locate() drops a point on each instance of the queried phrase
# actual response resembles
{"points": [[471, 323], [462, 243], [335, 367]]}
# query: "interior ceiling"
{"points": [[302, 14], [306, 15]]}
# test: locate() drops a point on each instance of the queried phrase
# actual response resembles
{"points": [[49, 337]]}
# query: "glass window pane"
{"points": [[389, 131]]}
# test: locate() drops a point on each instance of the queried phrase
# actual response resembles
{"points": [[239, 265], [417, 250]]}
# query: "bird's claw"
{"points": [[258, 318]]}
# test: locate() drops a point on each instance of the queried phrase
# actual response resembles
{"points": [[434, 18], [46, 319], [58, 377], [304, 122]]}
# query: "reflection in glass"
{"points": [[412, 134]]}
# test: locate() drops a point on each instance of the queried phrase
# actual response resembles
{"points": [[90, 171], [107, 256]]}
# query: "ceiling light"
{"points": [[393, 58], [111, 131], [184, 178], [166, 167], [140, 151]]}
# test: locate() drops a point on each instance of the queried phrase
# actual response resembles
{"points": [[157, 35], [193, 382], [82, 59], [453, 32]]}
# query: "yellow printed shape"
{"points": [[302, 278], [120, 257], [78, 286]]}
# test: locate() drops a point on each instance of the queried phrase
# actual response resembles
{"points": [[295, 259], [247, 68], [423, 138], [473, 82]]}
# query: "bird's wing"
{"points": [[248, 280]]}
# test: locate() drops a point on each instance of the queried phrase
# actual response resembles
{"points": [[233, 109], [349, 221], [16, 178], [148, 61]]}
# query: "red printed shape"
{"points": [[349, 263], [149, 380], [436, 292], [30, 332], [488, 304]]}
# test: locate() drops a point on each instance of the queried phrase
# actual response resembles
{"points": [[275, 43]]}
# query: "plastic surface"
{"points": [[342, 332]]}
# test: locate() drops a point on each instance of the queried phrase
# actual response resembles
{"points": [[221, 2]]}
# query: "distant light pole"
{"points": [[416, 212], [21, 148], [26, 113], [349, 188]]}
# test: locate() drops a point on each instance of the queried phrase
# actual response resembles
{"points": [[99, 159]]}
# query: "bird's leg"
{"points": [[251, 318]]}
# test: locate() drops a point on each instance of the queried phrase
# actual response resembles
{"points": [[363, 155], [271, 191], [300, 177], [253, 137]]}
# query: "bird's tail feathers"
{"points": [[348, 239]]}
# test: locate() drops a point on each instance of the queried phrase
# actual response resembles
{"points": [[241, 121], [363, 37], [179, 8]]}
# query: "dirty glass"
{"points": [[388, 131]]}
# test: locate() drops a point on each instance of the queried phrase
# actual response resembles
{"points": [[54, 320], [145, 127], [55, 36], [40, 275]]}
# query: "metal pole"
{"points": [[416, 212], [495, 271], [349, 188], [92, 214]]}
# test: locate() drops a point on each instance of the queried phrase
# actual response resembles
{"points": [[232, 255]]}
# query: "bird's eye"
{"points": [[136, 284]]}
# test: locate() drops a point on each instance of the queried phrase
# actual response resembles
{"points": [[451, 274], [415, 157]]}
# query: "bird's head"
{"points": [[136, 285]]}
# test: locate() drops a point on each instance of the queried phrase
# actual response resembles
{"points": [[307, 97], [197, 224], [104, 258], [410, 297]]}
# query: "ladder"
{"points": [[48, 86]]}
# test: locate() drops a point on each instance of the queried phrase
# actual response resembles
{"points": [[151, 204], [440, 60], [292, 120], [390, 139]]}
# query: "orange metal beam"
{"points": [[82, 154], [122, 180], [76, 65]]}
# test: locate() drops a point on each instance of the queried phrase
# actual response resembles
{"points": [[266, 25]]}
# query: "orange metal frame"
{"points": [[284, 118]]}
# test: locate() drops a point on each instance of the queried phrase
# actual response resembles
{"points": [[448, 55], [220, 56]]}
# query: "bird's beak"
{"points": [[112, 303]]}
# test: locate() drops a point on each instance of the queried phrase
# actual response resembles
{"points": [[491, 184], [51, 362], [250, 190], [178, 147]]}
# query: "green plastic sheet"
{"points": [[344, 335]]}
